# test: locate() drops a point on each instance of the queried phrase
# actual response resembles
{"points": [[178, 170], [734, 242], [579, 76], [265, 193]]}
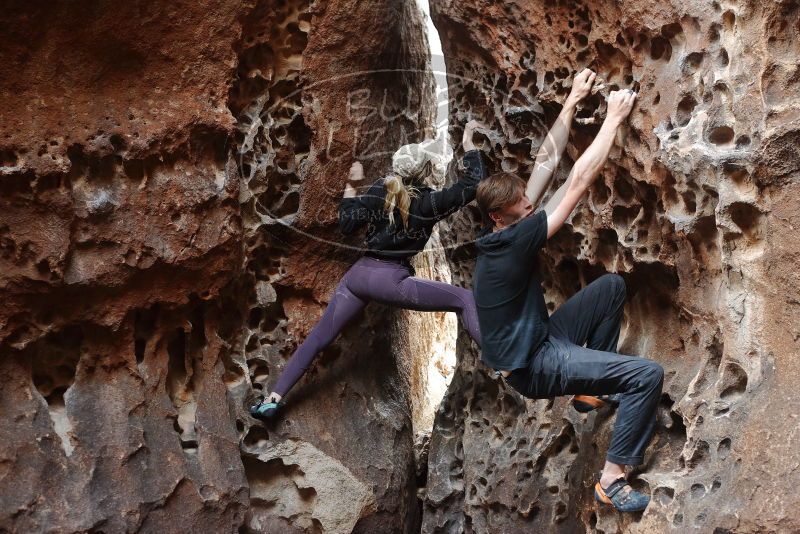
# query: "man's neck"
{"points": [[496, 228]]}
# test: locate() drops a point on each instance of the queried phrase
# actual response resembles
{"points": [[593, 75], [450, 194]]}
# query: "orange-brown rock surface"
{"points": [[169, 177], [697, 210]]}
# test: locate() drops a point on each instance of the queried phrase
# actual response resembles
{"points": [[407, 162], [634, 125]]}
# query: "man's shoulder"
{"points": [[519, 232], [489, 241], [533, 224], [532, 219]]}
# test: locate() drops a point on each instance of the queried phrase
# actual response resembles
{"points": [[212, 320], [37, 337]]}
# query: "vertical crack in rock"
{"points": [[690, 211], [53, 373]]}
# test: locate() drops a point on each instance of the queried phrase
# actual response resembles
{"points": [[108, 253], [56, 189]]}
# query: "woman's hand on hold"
{"points": [[353, 179], [469, 131]]}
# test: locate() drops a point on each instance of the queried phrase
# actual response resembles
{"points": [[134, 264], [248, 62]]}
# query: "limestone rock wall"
{"points": [[169, 176], [119, 234], [696, 210], [309, 102]]}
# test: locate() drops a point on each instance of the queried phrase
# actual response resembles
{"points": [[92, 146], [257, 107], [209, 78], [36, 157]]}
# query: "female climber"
{"points": [[400, 211]]}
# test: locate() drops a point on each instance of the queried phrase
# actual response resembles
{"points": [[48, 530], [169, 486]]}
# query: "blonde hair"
{"points": [[410, 164]]}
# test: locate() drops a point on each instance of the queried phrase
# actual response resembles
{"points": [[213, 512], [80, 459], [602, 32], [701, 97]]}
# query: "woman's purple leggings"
{"points": [[382, 281]]}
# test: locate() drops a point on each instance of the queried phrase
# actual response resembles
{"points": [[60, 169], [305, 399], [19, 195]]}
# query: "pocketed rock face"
{"points": [[696, 210], [307, 104], [119, 232], [149, 154]]}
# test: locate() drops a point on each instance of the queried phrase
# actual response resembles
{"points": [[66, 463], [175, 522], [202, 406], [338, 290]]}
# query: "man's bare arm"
{"points": [[591, 162], [549, 154]]}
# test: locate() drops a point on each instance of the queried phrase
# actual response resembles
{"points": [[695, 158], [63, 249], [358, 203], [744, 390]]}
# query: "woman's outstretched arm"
{"points": [[440, 204], [354, 209]]}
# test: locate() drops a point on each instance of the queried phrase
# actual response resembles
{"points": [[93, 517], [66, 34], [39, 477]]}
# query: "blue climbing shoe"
{"points": [[587, 403], [628, 500], [264, 410]]}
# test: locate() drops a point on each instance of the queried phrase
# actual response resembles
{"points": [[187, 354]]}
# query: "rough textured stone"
{"points": [[696, 210], [300, 486], [169, 177]]}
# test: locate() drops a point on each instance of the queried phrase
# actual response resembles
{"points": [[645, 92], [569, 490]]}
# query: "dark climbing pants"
{"points": [[383, 281], [563, 366]]}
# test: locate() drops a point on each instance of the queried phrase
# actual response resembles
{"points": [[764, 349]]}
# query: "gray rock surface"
{"points": [[695, 210]]}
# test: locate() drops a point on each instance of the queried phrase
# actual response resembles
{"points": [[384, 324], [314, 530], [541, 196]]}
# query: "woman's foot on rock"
{"points": [[264, 410]]}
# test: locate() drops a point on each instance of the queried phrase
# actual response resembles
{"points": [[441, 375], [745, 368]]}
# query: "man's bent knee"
{"points": [[655, 373], [615, 281]]}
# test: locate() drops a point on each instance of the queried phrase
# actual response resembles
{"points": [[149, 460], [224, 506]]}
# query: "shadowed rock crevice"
{"points": [[311, 93]]}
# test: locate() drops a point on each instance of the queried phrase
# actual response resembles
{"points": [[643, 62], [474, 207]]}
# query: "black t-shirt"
{"points": [[426, 209], [511, 310]]}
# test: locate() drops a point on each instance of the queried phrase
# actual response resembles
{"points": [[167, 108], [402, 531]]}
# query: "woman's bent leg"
{"points": [[429, 295], [392, 284], [343, 307]]}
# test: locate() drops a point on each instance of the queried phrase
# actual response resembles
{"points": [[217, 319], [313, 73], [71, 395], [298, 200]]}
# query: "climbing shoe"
{"points": [[587, 403], [623, 500], [264, 410]]}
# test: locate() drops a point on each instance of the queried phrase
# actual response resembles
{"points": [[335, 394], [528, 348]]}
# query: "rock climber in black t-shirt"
{"points": [[544, 357]]}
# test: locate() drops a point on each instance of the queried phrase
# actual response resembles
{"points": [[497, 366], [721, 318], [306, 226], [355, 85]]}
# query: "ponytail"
{"points": [[411, 165], [398, 195]]}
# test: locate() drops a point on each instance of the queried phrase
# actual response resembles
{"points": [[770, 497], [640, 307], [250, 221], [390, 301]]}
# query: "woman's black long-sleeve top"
{"points": [[396, 240]]}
